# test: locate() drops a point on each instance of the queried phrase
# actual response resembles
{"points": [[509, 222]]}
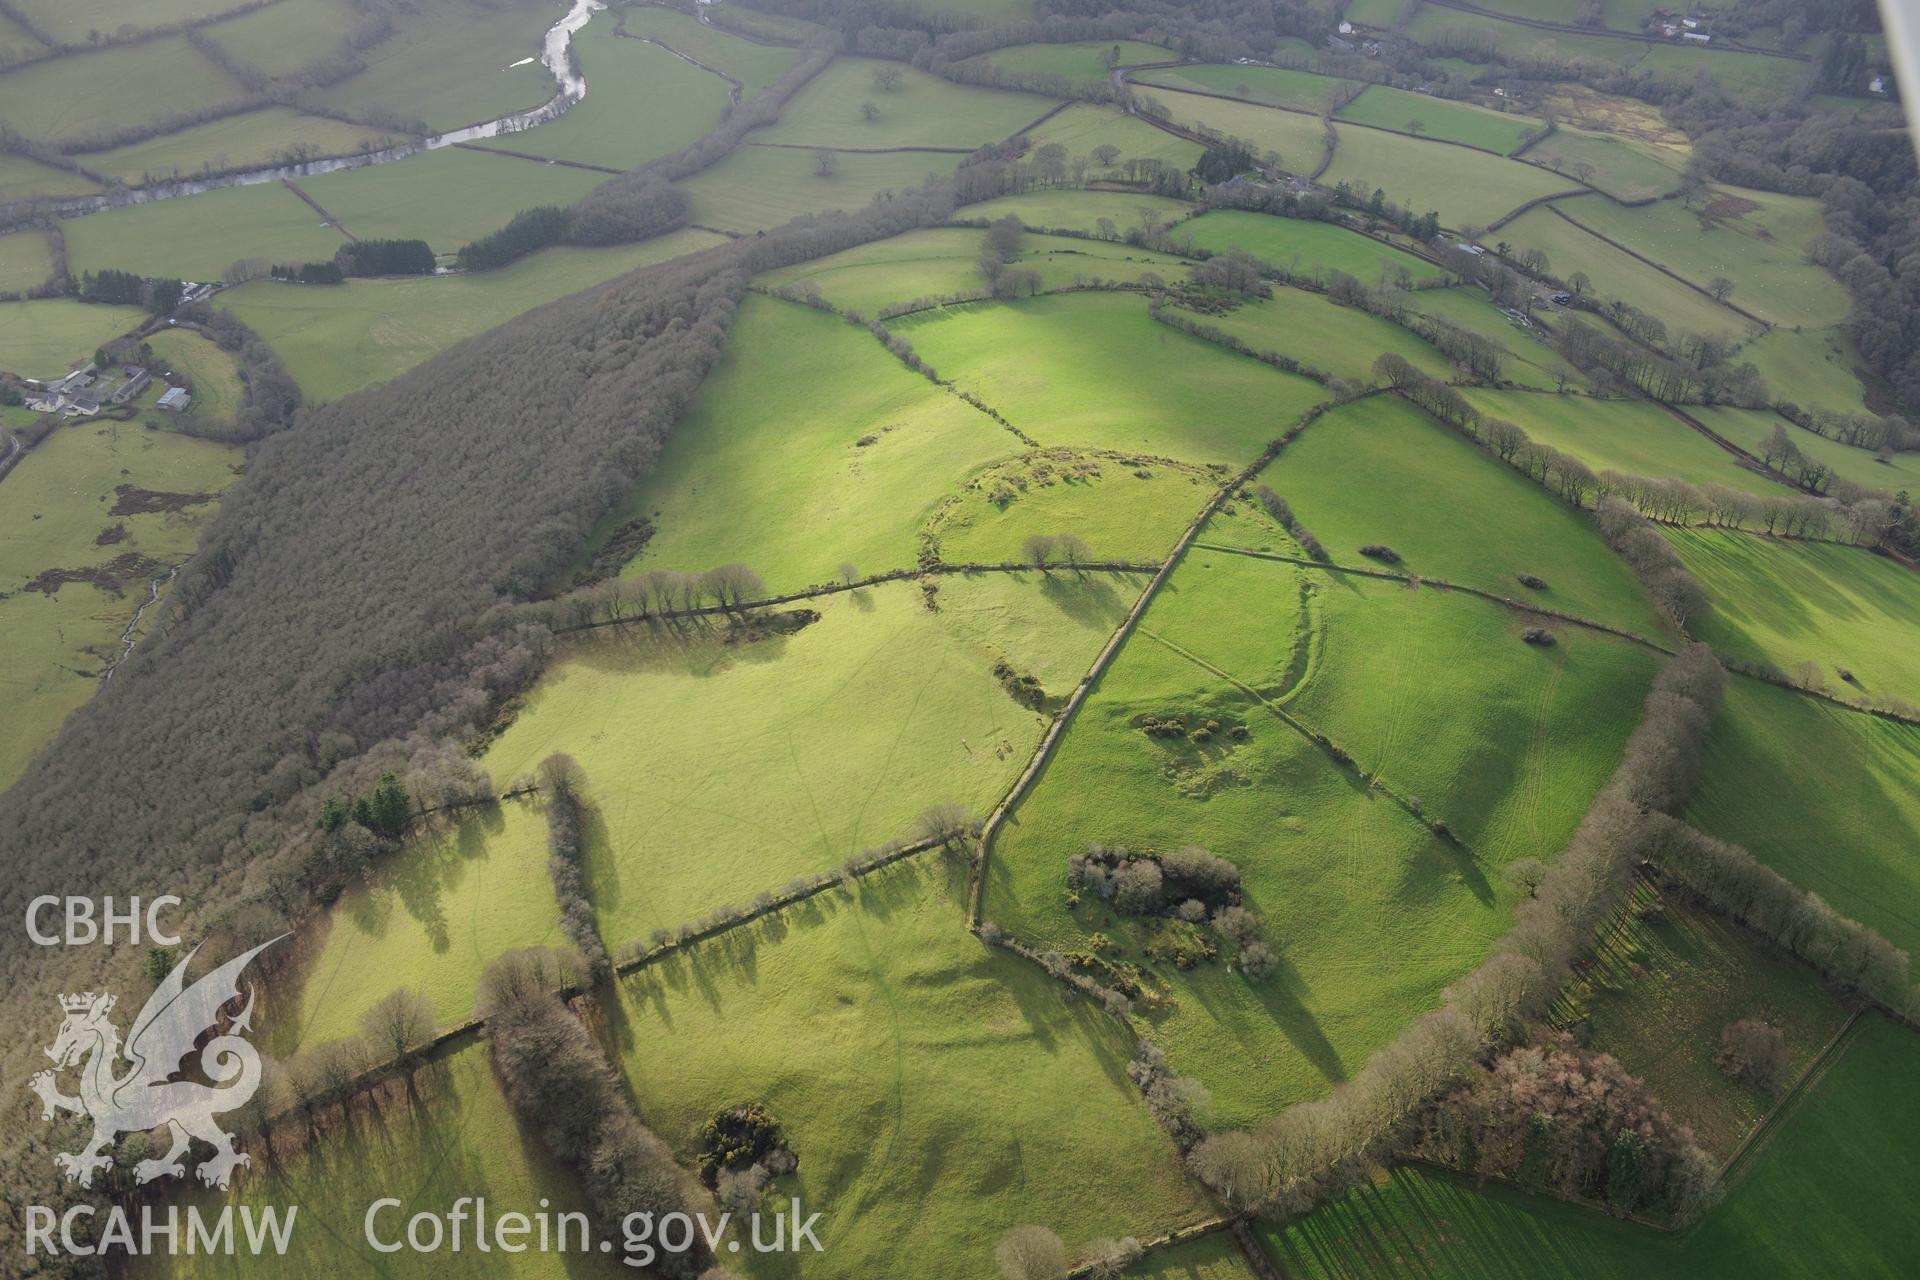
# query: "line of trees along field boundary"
{"points": [[1444, 585], [1664, 270], [1295, 1159], [823, 589]]}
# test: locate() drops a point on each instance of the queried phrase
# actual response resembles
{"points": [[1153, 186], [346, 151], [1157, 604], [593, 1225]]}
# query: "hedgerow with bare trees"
{"points": [[560, 788], [1318, 1148], [555, 1075]]}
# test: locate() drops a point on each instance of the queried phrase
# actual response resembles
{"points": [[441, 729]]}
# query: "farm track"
{"points": [[976, 890]]}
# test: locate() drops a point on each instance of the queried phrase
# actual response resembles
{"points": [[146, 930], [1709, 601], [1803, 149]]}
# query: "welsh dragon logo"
{"points": [[147, 1096]]}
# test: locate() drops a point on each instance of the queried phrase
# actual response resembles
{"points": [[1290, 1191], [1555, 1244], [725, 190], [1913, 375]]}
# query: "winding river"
{"points": [[571, 87]]}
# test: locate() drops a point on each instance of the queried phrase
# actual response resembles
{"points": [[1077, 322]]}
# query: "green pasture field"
{"points": [[69, 22], [1534, 363], [48, 338], [1633, 437], [936, 1091], [1464, 187], [1070, 209], [271, 135], [945, 260], [1338, 873], [752, 474], [1790, 602], [1269, 86], [90, 93], [1432, 23], [216, 382], [450, 64], [1214, 1256], [642, 103], [1367, 473], [1081, 61], [1824, 796], [1562, 11], [25, 260], [1754, 238], [1508, 749], [1373, 13], [337, 339], [445, 197], [989, 12], [1619, 15], [761, 761], [1299, 139], [1752, 78], [57, 502], [1620, 168], [1343, 341], [755, 188], [1825, 1196], [1616, 274], [921, 111], [1461, 122], [1085, 125], [1301, 246], [1122, 508], [755, 66], [459, 1138], [1749, 428], [16, 42], [779, 27], [197, 237], [1813, 368], [1663, 982], [285, 36], [24, 179], [1094, 370]]}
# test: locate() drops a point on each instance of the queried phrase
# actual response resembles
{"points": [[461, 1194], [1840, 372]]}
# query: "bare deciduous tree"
{"points": [[399, 1027], [1030, 1253]]}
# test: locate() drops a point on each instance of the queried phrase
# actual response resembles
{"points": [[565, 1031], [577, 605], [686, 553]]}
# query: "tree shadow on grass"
{"points": [[600, 868], [698, 647], [423, 873], [1089, 599], [1282, 995]]}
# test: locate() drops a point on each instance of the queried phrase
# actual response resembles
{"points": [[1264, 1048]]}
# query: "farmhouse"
{"points": [[175, 400]]}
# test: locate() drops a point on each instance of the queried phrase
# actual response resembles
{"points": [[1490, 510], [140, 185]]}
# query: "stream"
{"points": [[127, 637], [571, 88]]}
